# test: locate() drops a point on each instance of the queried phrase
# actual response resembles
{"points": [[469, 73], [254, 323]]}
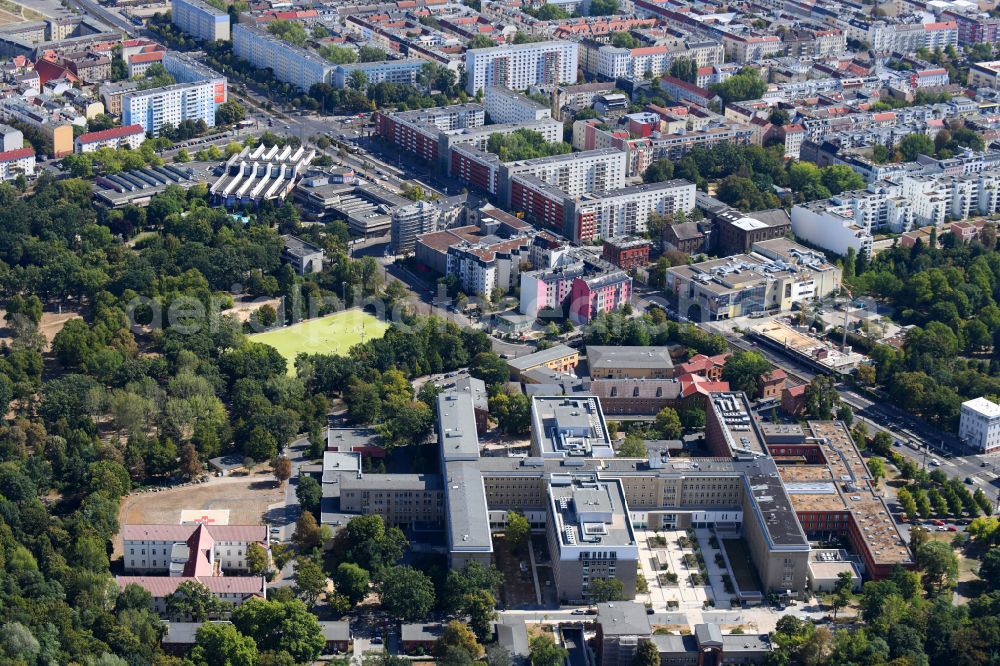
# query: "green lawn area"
{"points": [[333, 334]]}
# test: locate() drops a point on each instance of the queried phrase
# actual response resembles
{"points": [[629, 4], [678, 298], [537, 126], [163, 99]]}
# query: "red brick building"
{"points": [[793, 400], [709, 367], [626, 252], [770, 385]]}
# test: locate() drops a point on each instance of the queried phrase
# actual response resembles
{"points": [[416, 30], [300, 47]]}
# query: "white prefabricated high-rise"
{"points": [[517, 66]]}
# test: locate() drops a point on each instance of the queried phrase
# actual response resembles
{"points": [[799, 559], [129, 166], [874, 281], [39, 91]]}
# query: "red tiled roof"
{"points": [[113, 133], [163, 586], [244, 533], [649, 50], [152, 56], [20, 153]]}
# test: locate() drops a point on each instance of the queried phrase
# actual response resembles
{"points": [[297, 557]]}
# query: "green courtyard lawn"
{"points": [[333, 334]]}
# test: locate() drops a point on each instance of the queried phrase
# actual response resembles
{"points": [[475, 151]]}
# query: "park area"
{"points": [[333, 334]]}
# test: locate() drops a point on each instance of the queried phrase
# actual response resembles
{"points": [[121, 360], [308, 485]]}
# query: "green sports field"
{"points": [[333, 334]]}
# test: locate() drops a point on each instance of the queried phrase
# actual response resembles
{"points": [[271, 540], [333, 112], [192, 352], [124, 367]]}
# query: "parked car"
{"points": [[952, 528], [938, 523]]}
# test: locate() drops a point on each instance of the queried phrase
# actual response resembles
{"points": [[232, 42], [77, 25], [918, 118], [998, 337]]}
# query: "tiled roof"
{"points": [[178, 533], [163, 586], [113, 133], [20, 153]]}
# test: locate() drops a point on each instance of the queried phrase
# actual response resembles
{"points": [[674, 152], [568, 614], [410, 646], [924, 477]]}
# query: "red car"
{"points": [[952, 528], [937, 522]]}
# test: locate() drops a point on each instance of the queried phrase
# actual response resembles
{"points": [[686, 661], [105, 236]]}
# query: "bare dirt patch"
{"points": [[49, 326], [243, 309], [246, 497]]}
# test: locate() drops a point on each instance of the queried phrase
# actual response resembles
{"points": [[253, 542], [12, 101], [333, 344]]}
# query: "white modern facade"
{"points": [[850, 219], [172, 104], [626, 212], [300, 67], [614, 62], [382, 71], [979, 426], [576, 173], [509, 106], [200, 20], [520, 66], [186, 69]]}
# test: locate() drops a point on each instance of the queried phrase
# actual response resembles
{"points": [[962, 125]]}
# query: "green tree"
{"points": [[308, 534], [281, 626], [518, 531], [604, 7], [544, 651], [602, 590], [407, 594], [684, 69], [939, 564], [310, 581], [744, 371], [351, 581], [257, 560], [481, 42], [743, 86], [915, 144], [481, 608], [647, 654], [309, 492], [218, 644], [624, 40], [490, 368], [877, 469], [632, 447], [667, 423], [458, 635], [193, 602]]}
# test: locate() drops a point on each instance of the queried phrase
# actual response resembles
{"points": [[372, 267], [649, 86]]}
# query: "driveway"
{"points": [[285, 513]]}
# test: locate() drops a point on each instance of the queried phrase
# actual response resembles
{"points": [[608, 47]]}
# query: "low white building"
{"points": [[152, 549], [979, 426], [14, 163], [116, 137]]}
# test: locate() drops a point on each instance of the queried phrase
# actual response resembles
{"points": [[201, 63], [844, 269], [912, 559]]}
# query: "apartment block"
{"points": [[186, 68], [403, 71], [559, 358], [291, 64], [626, 252], [200, 20], [155, 107], [627, 211], [509, 106], [598, 294], [52, 125], [574, 174], [408, 222], [116, 137], [488, 265], [520, 66], [159, 558], [17, 162]]}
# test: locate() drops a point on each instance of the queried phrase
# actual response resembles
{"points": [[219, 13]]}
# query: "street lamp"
{"points": [[343, 292]]}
